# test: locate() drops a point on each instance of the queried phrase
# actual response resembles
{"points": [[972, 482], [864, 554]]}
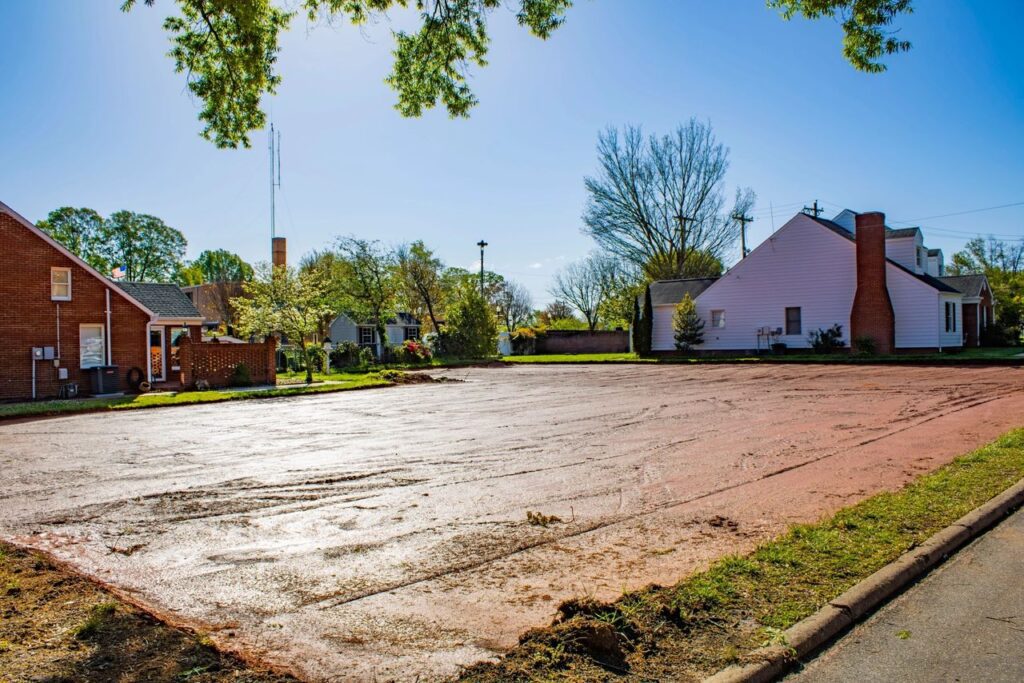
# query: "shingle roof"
{"points": [[665, 292], [167, 301], [934, 252], [968, 285], [891, 233]]}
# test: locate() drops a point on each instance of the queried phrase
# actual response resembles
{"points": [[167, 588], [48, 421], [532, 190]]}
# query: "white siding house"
{"points": [[343, 328], [803, 278]]}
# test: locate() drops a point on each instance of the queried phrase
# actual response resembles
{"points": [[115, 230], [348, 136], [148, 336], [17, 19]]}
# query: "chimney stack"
{"points": [[279, 251], [872, 314]]}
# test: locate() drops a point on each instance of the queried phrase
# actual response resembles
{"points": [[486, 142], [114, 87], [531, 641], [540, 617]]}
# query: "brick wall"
{"points": [[872, 314], [215, 362], [583, 341], [28, 317]]}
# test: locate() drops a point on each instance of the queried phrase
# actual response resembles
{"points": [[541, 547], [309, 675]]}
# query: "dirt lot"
{"points": [[383, 534]]}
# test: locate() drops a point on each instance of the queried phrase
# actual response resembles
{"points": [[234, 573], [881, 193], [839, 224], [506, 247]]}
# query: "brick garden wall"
{"points": [[28, 317], [215, 362], [583, 341]]}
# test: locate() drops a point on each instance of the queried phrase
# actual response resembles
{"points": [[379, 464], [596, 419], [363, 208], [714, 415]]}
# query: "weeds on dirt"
{"points": [[59, 627], [540, 519], [719, 616]]}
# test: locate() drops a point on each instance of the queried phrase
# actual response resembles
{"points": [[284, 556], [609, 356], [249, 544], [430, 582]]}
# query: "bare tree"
{"points": [[658, 202], [582, 285], [514, 305]]}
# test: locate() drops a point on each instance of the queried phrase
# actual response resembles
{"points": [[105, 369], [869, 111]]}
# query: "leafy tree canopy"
{"points": [[228, 49], [149, 249], [220, 265]]}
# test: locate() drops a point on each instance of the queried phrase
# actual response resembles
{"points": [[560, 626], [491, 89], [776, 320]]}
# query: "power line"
{"points": [[961, 213]]}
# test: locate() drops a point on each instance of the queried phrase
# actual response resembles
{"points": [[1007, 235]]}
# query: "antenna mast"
{"points": [[274, 147]]}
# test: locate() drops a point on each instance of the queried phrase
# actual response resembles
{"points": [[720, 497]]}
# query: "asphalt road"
{"points": [[383, 534], [963, 622]]}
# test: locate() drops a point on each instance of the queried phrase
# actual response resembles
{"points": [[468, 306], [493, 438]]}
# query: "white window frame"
{"points": [[81, 347], [411, 337], [366, 328], [55, 297], [721, 318]]}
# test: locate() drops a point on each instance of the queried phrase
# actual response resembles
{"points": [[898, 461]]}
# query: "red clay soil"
{"points": [[382, 535]]}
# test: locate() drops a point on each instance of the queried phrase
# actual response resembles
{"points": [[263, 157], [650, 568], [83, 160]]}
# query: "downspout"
{"points": [[109, 350], [58, 331]]}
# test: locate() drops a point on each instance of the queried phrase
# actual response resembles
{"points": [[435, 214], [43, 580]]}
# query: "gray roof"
{"points": [[891, 233], [665, 292], [934, 252], [167, 301], [933, 282], [968, 285]]}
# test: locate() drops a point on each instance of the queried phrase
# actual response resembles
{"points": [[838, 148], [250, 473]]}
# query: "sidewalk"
{"points": [[963, 622]]}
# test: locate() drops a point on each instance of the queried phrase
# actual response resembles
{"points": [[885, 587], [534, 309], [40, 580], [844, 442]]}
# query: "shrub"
{"points": [[646, 325], [998, 334], [411, 352], [524, 341], [240, 376], [865, 345], [687, 325], [345, 354], [366, 356], [317, 357], [826, 341]]}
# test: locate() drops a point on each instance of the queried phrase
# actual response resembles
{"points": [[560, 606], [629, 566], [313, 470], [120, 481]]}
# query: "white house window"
{"points": [[366, 335], [950, 316], [793, 321], [92, 346], [60, 284], [717, 318], [412, 333]]}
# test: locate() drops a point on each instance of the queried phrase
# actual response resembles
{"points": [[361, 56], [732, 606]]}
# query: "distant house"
{"points": [[812, 273], [63, 319], [400, 328]]}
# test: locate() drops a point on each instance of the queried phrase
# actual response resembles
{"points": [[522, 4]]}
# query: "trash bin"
{"points": [[104, 379]]}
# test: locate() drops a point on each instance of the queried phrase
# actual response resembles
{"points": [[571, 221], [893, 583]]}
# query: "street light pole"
{"points": [[481, 244]]}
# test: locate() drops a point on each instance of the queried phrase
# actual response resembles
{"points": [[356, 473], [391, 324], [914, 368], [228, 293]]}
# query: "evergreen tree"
{"points": [[647, 324], [687, 325]]}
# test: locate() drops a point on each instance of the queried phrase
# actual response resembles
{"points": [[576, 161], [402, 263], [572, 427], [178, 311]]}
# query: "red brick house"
{"points": [[62, 318]]}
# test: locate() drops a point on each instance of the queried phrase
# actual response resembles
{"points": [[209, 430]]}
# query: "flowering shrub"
{"points": [[412, 352]]}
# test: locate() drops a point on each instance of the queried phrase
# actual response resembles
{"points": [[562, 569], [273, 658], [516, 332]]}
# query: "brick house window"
{"points": [[92, 346], [718, 318], [793, 323], [60, 284]]}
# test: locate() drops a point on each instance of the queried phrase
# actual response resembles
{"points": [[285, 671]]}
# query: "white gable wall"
{"points": [[902, 251], [807, 265], [803, 264]]}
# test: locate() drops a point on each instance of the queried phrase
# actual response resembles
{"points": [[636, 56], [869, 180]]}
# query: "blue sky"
{"points": [[93, 115]]}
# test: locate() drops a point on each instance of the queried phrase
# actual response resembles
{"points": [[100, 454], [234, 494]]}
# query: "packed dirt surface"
{"points": [[384, 534]]}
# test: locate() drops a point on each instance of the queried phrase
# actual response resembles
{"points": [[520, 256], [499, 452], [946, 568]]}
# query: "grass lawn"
{"points": [[57, 626], [1001, 355], [338, 382], [716, 617]]}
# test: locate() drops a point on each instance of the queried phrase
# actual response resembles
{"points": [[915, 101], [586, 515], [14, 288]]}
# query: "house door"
{"points": [[157, 356]]}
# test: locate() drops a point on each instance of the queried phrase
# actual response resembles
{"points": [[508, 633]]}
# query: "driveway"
{"points": [[383, 534]]}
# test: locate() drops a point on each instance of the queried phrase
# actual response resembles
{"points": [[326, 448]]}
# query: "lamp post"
{"points": [[481, 244]]}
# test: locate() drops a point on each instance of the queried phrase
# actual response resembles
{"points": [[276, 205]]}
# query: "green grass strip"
{"points": [[154, 400], [714, 618]]}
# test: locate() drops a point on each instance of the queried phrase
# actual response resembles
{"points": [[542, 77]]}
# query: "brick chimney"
{"points": [[872, 314], [279, 252]]}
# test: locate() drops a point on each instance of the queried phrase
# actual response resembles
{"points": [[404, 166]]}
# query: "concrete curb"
{"points": [[808, 635]]}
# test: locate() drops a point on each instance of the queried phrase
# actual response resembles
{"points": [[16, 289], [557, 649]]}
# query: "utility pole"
{"points": [[814, 211], [481, 244], [743, 220]]}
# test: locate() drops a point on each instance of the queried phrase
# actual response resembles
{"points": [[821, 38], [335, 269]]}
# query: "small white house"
{"points": [[806, 276], [400, 328]]}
